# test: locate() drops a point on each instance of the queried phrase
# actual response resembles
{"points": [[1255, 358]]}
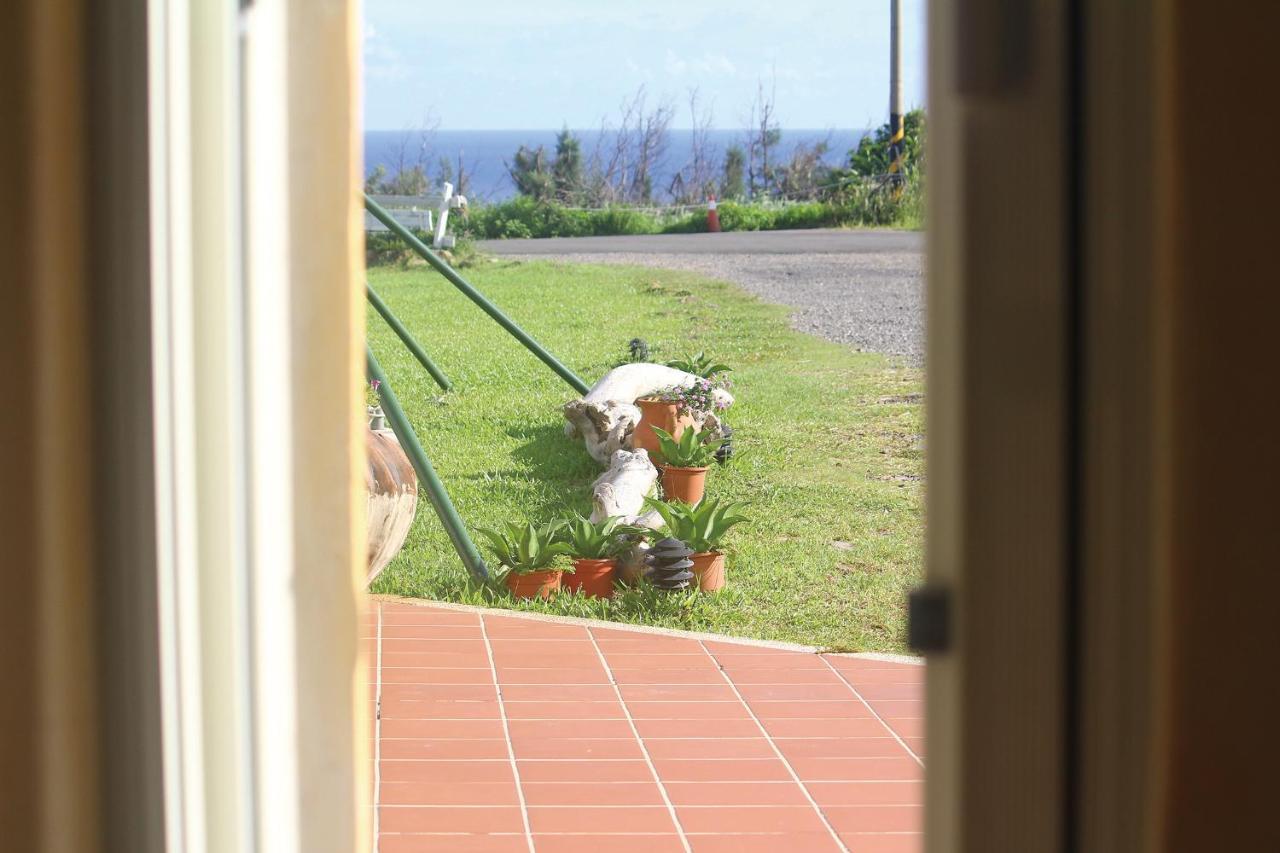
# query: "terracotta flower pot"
{"points": [[593, 577], [661, 414], [534, 584], [708, 568], [684, 484]]}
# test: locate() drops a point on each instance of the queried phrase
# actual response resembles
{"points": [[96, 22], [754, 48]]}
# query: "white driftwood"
{"points": [[621, 490], [606, 416]]}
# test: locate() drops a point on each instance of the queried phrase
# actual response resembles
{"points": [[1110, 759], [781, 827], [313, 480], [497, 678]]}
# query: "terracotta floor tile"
{"points": [[908, 793], [559, 693], [436, 660], [442, 729], [693, 711], [697, 728], [915, 744], [571, 710], [437, 709], [454, 692], [736, 794], [831, 727], [500, 628], [439, 676], [585, 778], [761, 675], [592, 794], [460, 750], [732, 819], [705, 675], [601, 771], [608, 844], [907, 726], [576, 748], [851, 747], [876, 818], [677, 692], [795, 842], [710, 748], [420, 843], [431, 632], [729, 770], [892, 709], [408, 770], [883, 843], [855, 769], [833, 690], [419, 616], [528, 675], [523, 730], [795, 662], [842, 709], [448, 793], [450, 819], [876, 691], [718, 648], [611, 819]]}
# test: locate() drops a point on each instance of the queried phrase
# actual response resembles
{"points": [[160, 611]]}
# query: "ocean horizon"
{"points": [[485, 153]]}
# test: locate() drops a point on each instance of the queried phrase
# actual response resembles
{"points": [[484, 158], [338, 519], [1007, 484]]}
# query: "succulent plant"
{"points": [[699, 364], [668, 565], [695, 448], [525, 548], [595, 540], [701, 527]]}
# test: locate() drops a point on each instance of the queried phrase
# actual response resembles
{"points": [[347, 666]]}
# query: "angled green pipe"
{"points": [[474, 295], [414, 347], [440, 500]]}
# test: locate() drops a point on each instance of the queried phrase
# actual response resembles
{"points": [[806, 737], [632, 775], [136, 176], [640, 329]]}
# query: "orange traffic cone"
{"points": [[713, 218]]}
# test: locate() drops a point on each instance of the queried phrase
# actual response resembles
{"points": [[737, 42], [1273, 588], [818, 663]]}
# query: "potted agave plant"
{"points": [[594, 547], [684, 462], [532, 557], [700, 527]]}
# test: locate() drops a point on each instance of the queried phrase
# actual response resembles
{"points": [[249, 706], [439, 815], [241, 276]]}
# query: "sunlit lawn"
{"points": [[829, 444]]}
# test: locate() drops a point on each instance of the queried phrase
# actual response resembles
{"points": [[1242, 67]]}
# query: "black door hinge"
{"points": [[929, 620]]}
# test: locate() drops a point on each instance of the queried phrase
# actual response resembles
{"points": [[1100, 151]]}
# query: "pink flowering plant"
{"points": [[696, 398]]}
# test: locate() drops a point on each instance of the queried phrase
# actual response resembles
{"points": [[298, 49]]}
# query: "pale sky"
{"points": [[535, 64]]}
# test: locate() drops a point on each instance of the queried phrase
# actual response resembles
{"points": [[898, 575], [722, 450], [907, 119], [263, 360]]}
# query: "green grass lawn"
{"points": [[828, 443]]}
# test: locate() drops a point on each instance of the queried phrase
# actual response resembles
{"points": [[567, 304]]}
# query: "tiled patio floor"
{"points": [[497, 732]]}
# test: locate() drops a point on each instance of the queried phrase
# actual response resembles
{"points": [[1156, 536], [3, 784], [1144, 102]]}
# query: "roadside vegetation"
{"points": [[827, 446], [610, 190]]}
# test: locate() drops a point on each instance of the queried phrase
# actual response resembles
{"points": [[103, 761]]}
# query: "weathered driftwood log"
{"points": [[606, 416], [392, 487], [621, 490]]}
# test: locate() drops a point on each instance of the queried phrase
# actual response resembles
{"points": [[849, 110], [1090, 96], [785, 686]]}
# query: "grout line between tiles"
{"points": [[873, 711], [662, 788], [377, 731], [506, 733], [778, 752]]}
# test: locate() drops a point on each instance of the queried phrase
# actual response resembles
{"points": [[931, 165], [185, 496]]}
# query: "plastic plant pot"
{"points": [[661, 414], [594, 578], [684, 484], [540, 584], [708, 568]]}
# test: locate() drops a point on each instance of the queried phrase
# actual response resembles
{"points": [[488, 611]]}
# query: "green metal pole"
{"points": [[414, 347], [474, 295], [426, 473]]}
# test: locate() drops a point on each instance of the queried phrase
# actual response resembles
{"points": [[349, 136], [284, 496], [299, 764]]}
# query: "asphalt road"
{"points": [[860, 288], [816, 241]]}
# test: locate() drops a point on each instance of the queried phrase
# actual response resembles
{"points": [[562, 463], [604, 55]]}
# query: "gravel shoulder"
{"points": [[872, 301]]}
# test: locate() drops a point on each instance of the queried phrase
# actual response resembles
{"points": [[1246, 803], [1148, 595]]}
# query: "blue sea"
{"points": [[485, 152]]}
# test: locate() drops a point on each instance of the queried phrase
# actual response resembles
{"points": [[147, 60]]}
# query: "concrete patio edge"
{"points": [[647, 629]]}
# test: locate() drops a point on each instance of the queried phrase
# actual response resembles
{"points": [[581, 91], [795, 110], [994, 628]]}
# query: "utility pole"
{"points": [[895, 91]]}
